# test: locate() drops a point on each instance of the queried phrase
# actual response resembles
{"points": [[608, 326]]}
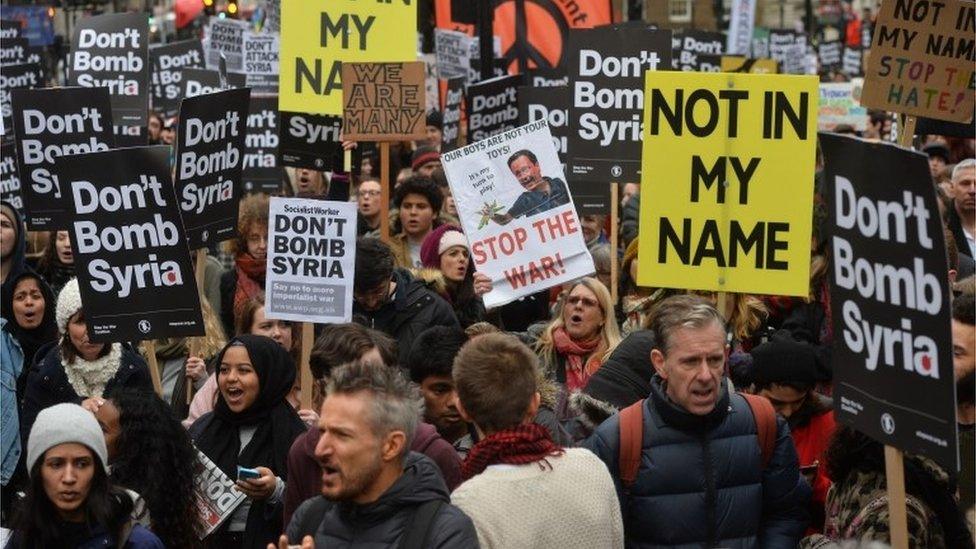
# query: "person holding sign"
{"points": [[541, 193], [445, 250], [71, 502], [252, 426], [250, 250], [77, 370]]}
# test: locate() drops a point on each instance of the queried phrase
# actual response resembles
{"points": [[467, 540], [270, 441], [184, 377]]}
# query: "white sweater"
{"points": [[572, 505]]}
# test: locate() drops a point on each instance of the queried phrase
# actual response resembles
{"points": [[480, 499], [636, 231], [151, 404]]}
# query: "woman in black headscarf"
{"points": [[252, 426], [29, 307]]}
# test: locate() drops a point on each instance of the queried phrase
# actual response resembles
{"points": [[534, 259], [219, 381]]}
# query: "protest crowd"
{"points": [[444, 304]]}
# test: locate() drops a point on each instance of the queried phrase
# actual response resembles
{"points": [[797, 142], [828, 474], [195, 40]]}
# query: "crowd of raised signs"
{"points": [[575, 416]]}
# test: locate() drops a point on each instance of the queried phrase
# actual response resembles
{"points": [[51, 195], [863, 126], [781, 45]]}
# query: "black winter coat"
{"points": [[383, 522], [701, 482], [413, 309], [47, 383]]}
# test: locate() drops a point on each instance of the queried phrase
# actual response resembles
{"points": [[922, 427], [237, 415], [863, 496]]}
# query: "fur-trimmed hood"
{"points": [[433, 278], [590, 411]]}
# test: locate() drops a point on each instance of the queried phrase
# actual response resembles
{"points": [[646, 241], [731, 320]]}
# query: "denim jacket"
{"points": [[11, 363]]}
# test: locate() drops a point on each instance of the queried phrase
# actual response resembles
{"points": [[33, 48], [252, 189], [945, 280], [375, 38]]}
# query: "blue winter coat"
{"points": [[11, 365], [701, 481]]}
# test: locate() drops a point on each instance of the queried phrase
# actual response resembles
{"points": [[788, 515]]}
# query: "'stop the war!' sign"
{"points": [[922, 59], [383, 101], [317, 36]]}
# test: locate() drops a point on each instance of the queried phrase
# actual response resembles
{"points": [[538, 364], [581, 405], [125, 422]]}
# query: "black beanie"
{"points": [[784, 360], [435, 119]]}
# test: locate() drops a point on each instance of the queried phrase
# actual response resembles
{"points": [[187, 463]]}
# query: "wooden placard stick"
{"points": [[385, 191], [193, 349], [614, 241], [150, 347], [308, 335]]}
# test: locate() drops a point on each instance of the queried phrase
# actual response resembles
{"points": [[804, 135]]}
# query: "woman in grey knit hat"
{"points": [[70, 501]]}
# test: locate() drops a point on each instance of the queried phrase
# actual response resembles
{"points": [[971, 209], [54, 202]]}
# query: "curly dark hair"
{"points": [[156, 459]]}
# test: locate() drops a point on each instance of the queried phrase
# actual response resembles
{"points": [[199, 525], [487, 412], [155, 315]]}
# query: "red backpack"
{"points": [[632, 435]]}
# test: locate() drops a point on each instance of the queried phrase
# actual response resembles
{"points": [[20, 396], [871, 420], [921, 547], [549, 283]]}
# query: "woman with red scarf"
{"points": [[574, 344], [250, 250]]}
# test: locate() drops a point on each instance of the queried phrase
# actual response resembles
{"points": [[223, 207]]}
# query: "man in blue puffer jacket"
{"points": [[701, 480]]}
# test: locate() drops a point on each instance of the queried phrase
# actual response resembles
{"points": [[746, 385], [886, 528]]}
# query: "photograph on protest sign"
{"points": [[201, 81], [49, 124], [311, 141], [262, 171], [552, 105], [217, 496], [606, 69], [10, 186], [112, 51], [492, 107], [317, 36], [226, 37], [311, 260], [451, 114], [696, 50], [517, 213], [168, 60], [13, 77], [129, 246], [839, 106], [383, 101], [921, 60], [261, 61], [209, 163], [890, 298], [726, 194]]}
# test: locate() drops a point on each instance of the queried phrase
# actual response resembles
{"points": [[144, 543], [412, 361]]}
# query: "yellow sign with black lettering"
{"points": [[727, 174], [318, 35]]}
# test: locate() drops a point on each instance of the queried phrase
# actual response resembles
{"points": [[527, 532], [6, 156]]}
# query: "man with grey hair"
{"points": [[961, 213], [695, 465], [373, 487]]}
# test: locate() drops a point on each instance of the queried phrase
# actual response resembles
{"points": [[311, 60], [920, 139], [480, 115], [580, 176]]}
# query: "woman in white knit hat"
{"points": [[70, 501], [77, 370]]}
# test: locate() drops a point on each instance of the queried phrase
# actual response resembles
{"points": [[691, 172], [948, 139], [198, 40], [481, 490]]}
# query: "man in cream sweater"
{"points": [[521, 489]]}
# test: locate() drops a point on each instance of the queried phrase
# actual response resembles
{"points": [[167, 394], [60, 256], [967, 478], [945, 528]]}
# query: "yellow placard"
{"points": [[727, 173], [318, 35]]}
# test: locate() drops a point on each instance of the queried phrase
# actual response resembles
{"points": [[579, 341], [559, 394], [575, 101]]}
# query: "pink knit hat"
{"points": [[439, 241]]}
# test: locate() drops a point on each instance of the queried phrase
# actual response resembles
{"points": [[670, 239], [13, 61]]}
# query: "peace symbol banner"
{"points": [[547, 27]]}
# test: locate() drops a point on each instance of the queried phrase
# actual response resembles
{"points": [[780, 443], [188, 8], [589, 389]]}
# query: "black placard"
{"points": [[9, 178], [14, 51], [890, 298], [552, 105], [168, 62], [492, 107], [788, 48], [931, 126], [50, 124], [453, 102], [112, 51], [131, 257], [12, 77], [263, 172], [209, 162], [606, 73], [131, 136], [200, 81], [310, 141], [10, 29], [691, 49], [830, 54]]}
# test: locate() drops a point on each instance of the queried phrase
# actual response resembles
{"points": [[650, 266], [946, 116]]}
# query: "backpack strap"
{"points": [[418, 529], [312, 518], [765, 417], [631, 440]]}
